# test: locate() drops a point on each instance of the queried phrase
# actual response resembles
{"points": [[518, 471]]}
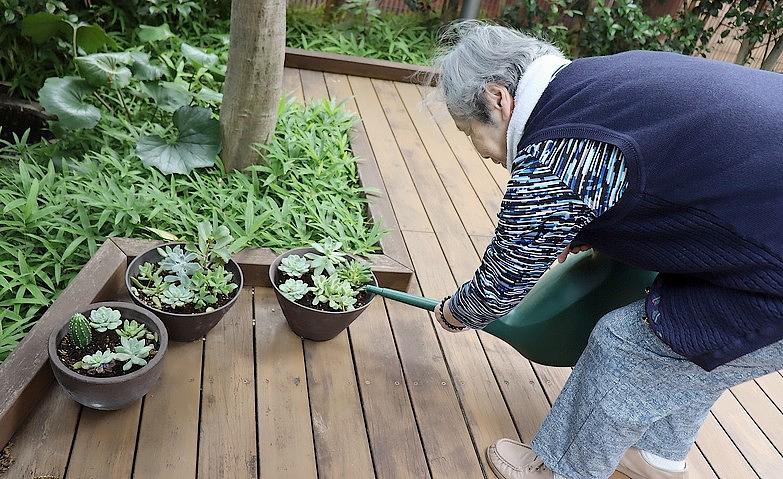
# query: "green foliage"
{"points": [[328, 257], [62, 200], [357, 273], [132, 329], [364, 32], [333, 291], [79, 330], [150, 34], [98, 361], [197, 55], [44, 26], [208, 285], [103, 319], [65, 97], [588, 28], [105, 69], [197, 145], [132, 351], [177, 296], [294, 265], [294, 289]]}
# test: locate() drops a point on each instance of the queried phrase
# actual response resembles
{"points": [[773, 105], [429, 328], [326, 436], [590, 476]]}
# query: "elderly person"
{"points": [[662, 161]]}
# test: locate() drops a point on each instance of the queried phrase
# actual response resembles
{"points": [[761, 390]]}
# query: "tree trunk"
{"points": [[747, 45], [772, 58], [253, 82]]}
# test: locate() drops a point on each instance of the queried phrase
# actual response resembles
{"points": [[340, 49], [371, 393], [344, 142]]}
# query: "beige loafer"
{"points": [[635, 466], [514, 460]]}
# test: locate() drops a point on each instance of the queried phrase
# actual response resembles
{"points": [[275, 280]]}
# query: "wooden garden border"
{"points": [[25, 375], [356, 66]]}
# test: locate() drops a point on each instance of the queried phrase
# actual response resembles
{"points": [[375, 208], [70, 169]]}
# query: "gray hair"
{"points": [[473, 54]]}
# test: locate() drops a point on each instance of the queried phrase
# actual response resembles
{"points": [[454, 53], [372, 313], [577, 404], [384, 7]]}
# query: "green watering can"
{"points": [[553, 322]]}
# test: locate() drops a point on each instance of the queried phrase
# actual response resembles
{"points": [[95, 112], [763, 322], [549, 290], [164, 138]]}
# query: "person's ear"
{"points": [[500, 99]]}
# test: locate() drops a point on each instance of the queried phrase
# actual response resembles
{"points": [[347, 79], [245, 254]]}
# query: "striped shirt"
{"points": [[556, 188]]}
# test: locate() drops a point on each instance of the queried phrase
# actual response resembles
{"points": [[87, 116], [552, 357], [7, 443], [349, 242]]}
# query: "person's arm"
{"points": [[556, 188]]}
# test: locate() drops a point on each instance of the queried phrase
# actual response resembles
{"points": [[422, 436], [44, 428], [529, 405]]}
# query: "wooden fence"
{"points": [[720, 50]]}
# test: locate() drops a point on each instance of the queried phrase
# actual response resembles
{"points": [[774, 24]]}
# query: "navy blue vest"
{"points": [[703, 141]]}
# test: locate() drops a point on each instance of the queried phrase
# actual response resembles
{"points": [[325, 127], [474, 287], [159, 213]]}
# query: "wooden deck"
{"points": [[395, 396]]}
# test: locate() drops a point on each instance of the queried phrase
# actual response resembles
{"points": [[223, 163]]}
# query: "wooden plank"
{"points": [[760, 453], [25, 375], [484, 407], [772, 384], [763, 411], [285, 433], [380, 205], [105, 443], [292, 84], [394, 439], [227, 446], [42, 445], [437, 202], [465, 190], [170, 417], [351, 65], [463, 149], [341, 445], [444, 432], [721, 453], [402, 192], [313, 86]]}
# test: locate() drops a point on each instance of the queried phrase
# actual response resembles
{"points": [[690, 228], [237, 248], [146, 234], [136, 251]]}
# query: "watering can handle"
{"points": [[411, 299]]}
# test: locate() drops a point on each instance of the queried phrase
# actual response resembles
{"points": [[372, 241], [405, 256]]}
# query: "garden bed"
{"points": [[26, 375]]}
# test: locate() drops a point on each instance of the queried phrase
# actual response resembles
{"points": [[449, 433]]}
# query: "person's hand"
{"points": [[447, 321], [573, 250]]}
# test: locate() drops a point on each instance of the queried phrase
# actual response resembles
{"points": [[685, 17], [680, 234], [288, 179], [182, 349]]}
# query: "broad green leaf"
{"points": [[197, 55], [143, 69], [150, 34], [105, 69], [64, 97], [169, 96], [43, 26], [92, 38], [197, 145], [210, 96]]}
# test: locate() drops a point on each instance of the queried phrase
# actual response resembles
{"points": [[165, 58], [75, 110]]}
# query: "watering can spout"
{"points": [[552, 324]]}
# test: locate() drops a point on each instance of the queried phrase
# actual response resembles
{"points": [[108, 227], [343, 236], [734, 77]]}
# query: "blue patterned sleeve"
{"points": [[556, 188]]}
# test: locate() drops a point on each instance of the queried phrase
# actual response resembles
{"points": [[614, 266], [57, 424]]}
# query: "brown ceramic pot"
{"points": [[311, 323], [116, 392], [183, 327]]}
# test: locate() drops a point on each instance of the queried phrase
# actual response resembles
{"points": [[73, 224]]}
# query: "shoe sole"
{"points": [[629, 473], [492, 466]]}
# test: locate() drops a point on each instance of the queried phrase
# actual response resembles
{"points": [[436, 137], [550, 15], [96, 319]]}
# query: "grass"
{"points": [[62, 199], [407, 38]]}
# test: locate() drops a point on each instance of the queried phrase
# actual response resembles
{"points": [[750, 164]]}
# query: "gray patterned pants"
{"points": [[630, 389]]}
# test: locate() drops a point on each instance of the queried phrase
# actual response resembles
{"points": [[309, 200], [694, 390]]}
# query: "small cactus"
{"points": [[79, 330]]}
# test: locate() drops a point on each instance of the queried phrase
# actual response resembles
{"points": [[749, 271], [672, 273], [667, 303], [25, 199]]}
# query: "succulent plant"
{"points": [[132, 329], [338, 294], [149, 282], [179, 264], [328, 258], [209, 284], [177, 296], [358, 273], [214, 246], [294, 289], [97, 361], [294, 265], [104, 318], [132, 351], [79, 330]]}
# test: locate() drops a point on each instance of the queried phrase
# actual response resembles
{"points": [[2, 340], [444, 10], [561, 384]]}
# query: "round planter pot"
{"points": [[311, 323], [183, 327], [115, 392]]}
